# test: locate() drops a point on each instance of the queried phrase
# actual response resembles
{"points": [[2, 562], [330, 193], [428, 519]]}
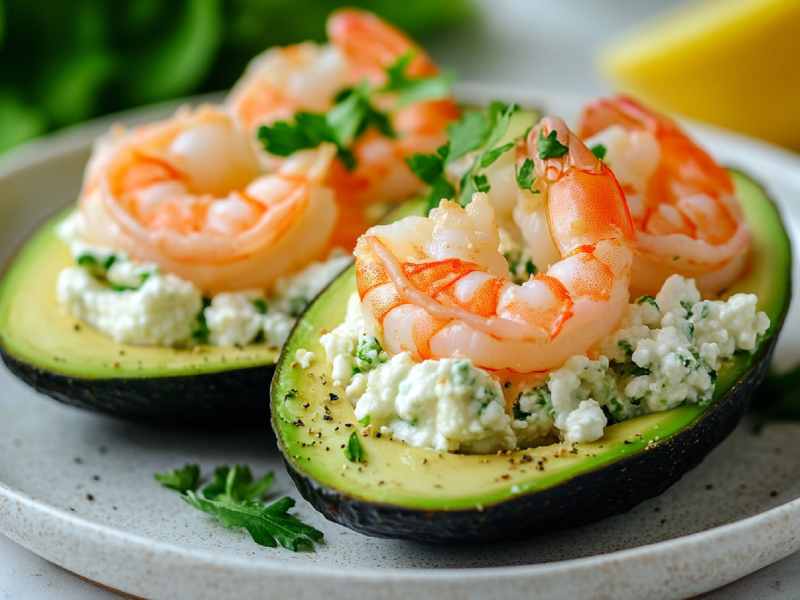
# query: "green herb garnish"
{"points": [[352, 115], [233, 498], [182, 480], [525, 176], [550, 147], [648, 300], [599, 151], [267, 525], [354, 451], [475, 130]]}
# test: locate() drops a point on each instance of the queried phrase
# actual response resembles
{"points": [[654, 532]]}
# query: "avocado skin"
{"points": [[191, 401], [610, 490]]}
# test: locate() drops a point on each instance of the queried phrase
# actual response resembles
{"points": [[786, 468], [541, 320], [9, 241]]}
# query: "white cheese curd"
{"points": [[305, 357], [446, 405], [292, 293], [161, 312], [585, 423], [665, 353], [276, 327], [233, 318]]}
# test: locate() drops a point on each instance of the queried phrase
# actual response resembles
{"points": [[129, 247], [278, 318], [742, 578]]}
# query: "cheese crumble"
{"points": [[666, 352], [135, 303]]}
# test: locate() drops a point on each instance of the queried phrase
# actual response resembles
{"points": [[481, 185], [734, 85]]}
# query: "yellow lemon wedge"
{"points": [[734, 63]]}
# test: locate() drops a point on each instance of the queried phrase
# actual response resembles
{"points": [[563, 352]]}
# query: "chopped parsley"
{"points": [[181, 480], [354, 451], [599, 151], [352, 114], [519, 414], [365, 421], [236, 485], [200, 330], [474, 131], [648, 300], [550, 147], [234, 498], [525, 176], [688, 308], [260, 305], [412, 91], [625, 347]]}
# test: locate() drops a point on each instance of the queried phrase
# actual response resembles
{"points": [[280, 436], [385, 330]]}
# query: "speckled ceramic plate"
{"points": [[78, 489]]}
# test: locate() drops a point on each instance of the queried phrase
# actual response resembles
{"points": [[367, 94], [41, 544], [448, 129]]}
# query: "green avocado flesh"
{"points": [[65, 354], [412, 484], [34, 328]]}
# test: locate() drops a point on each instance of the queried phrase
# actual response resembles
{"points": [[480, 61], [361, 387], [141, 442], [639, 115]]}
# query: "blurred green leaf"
{"points": [[178, 54], [18, 122], [63, 62]]}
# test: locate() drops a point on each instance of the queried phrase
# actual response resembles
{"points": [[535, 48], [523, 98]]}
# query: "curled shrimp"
{"points": [[189, 195], [686, 217], [307, 77], [438, 287]]}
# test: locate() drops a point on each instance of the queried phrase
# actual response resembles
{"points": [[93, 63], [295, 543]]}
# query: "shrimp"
{"points": [[188, 194], [307, 77], [686, 217], [438, 287]]}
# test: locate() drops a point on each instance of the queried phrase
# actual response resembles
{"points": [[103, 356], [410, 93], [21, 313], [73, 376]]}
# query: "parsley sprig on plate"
{"points": [[234, 497], [353, 114], [475, 131]]}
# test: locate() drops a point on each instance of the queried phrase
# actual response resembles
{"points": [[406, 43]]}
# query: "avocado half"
{"points": [[415, 494], [58, 355]]}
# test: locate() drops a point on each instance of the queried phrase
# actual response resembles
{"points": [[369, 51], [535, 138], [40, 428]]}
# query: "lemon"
{"points": [[734, 63]]}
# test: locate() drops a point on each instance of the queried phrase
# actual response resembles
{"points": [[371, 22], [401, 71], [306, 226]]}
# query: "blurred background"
{"points": [[724, 61]]}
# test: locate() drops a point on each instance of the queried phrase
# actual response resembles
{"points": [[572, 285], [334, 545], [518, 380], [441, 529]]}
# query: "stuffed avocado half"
{"points": [[70, 361], [406, 492]]}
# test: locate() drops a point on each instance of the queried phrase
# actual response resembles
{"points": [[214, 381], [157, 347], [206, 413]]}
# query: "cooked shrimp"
{"points": [[438, 287], [686, 217], [283, 81], [188, 194]]}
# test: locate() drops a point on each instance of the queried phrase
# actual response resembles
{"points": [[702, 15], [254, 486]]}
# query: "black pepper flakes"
{"points": [[526, 458], [327, 418], [298, 423], [333, 397], [89, 497]]}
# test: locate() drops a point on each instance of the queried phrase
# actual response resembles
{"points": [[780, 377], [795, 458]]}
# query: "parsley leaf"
{"points": [[519, 414], [309, 130], [267, 525], [525, 176], [499, 116], [550, 147], [182, 480], [413, 90], [236, 485], [473, 131], [468, 134], [599, 151], [232, 496], [354, 451], [430, 169]]}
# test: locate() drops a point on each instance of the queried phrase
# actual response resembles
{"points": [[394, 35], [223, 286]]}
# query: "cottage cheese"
{"points": [[666, 353], [134, 303], [161, 312]]}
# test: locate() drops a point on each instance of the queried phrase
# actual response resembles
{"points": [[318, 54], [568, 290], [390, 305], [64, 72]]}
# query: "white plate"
{"points": [[737, 512]]}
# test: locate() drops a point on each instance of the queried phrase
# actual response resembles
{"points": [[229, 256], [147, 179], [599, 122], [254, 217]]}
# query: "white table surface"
{"points": [[530, 43]]}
